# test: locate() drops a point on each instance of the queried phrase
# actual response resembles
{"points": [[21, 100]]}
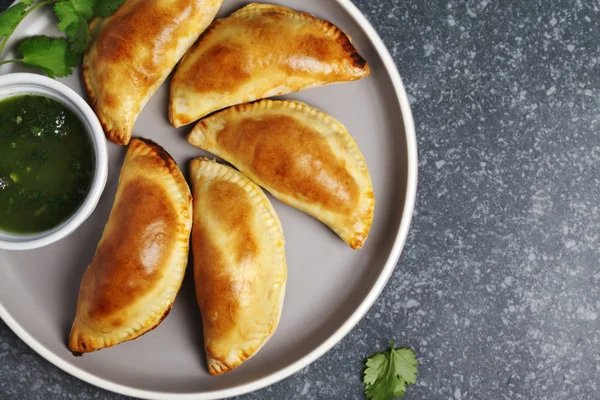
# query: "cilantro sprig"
{"points": [[73, 24], [388, 374], [55, 56], [52, 55]]}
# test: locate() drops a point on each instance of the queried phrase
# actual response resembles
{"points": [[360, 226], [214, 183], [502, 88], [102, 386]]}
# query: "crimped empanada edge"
{"points": [[203, 136], [78, 337], [217, 365], [328, 27], [114, 134], [169, 162], [360, 67], [256, 193]]}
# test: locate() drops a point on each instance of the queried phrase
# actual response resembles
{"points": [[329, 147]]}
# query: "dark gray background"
{"points": [[498, 287]]}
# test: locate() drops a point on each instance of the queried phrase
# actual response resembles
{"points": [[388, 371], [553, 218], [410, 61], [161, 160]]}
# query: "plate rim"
{"points": [[356, 316]]}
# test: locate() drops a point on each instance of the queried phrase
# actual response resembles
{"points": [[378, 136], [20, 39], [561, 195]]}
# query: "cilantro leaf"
{"points": [[105, 8], [79, 43], [67, 17], [11, 17], [73, 24], [375, 368], [406, 365], [50, 54], [388, 373], [85, 8]]}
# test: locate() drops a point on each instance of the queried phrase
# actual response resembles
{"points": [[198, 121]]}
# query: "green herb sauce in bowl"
{"points": [[46, 163], [53, 161]]}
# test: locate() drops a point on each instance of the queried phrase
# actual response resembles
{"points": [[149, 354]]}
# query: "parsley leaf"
{"points": [[73, 24], [11, 17], [388, 373], [104, 8], [50, 54]]}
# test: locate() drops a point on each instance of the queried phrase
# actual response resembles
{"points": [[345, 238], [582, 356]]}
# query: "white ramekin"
{"points": [[24, 83]]}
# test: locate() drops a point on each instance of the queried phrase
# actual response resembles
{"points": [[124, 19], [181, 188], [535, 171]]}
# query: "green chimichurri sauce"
{"points": [[46, 164]]}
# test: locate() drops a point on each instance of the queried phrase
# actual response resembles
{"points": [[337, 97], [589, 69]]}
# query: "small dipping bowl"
{"points": [[18, 84]]}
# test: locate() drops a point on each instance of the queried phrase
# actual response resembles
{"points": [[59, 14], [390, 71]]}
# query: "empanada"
{"points": [[301, 155], [133, 51], [239, 264], [131, 283], [260, 51]]}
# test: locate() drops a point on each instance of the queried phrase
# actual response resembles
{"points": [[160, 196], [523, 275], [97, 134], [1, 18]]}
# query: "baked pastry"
{"points": [[301, 155], [133, 51], [239, 264], [260, 51], [138, 268]]}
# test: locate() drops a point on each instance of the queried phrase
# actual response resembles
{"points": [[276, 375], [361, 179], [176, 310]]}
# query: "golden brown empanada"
{"points": [[301, 155], [239, 264], [139, 265], [260, 51], [133, 51]]}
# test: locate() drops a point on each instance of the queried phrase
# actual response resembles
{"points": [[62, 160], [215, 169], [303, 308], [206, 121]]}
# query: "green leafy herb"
{"points": [[85, 8], [73, 24], [10, 18], [50, 54], [104, 8], [388, 374], [55, 56], [67, 16]]}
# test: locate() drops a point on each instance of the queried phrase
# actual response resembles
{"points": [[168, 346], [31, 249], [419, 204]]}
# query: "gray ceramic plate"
{"points": [[330, 286]]}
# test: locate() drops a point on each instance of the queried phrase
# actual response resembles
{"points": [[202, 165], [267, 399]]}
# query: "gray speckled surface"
{"points": [[498, 288]]}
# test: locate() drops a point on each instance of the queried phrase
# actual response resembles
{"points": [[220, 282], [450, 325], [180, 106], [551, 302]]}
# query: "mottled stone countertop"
{"points": [[498, 289]]}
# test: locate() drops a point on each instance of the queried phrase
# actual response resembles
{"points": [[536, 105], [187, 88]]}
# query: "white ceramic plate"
{"points": [[330, 287]]}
